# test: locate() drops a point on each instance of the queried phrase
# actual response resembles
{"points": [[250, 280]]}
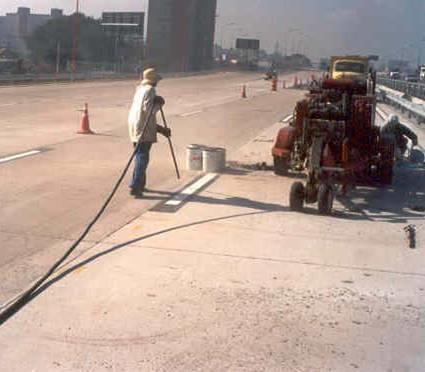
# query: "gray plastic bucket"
{"points": [[194, 157], [214, 160]]}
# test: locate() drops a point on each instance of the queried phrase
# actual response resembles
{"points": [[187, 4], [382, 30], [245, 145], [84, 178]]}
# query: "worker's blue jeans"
{"points": [[141, 162]]}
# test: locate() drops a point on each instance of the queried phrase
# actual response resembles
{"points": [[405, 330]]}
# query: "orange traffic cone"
{"points": [[243, 94], [85, 123], [296, 82], [274, 85], [284, 84]]}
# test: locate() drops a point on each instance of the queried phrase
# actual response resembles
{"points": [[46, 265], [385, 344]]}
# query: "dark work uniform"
{"points": [[399, 132]]}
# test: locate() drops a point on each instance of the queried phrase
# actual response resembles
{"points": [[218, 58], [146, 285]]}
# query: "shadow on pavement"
{"points": [[242, 169], [239, 202], [264, 208], [160, 192], [392, 205], [227, 200], [260, 207], [117, 247], [401, 203], [237, 171]]}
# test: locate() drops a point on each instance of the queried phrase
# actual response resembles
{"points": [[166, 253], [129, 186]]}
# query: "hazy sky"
{"points": [[325, 27]]}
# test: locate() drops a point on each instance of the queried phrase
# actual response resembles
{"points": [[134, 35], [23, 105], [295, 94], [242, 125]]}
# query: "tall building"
{"points": [[15, 27], [181, 34]]}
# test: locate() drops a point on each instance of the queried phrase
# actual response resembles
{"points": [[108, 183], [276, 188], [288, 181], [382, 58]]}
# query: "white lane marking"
{"points": [[9, 104], [19, 156], [287, 119], [190, 114], [190, 190]]}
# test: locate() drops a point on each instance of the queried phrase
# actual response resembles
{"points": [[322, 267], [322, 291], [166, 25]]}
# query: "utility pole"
{"points": [[420, 51], [75, 38], [277, 48], [58, 56], [116, 53], [291, 39]]}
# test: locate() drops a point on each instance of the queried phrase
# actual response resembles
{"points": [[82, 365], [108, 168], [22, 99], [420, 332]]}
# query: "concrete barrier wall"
{"points": [[26, 79]]}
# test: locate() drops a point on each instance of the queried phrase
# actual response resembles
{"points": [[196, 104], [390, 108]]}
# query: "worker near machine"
{"points": [[400, 134], [144, 108]]}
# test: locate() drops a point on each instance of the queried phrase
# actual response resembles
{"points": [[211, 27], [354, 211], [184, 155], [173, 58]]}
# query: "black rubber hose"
{"points": [[21, 301]]}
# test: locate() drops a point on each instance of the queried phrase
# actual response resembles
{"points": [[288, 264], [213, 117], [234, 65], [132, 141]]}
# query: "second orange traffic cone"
{"points": [[274, 85], [85, 122]]}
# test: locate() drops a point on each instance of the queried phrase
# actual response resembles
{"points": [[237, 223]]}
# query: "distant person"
{"points": [[400, 134], [314, 85], [145, 106]]}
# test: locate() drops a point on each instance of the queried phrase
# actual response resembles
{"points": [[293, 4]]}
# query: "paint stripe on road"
{"points": [[178, 201], [192, 189], [287, 119], [9, 104], [190, 114], [19, 156]]}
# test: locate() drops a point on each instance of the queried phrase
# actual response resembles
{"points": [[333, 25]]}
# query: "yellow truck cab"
{"points": [[350, 68]]}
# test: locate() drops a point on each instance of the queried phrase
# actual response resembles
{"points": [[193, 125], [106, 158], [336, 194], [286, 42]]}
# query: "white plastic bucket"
{"points": [[214, 160], [194, 157]]}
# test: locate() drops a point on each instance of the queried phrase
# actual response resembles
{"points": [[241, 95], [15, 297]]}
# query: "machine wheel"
{"points": [[385, 174], [296, 198], [280, 166], [310, 193], [385, 167], [325, 199]]}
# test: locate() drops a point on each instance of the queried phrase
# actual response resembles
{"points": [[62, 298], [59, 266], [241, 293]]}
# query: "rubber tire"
{"points": [[280, 166], [325, 199], [312, 197], [296, 197], [386, 175]]}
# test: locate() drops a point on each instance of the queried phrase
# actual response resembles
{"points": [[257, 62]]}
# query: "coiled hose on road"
{"points": [[7, 311]]}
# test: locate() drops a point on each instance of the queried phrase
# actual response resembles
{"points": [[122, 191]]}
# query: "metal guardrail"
{"points": [[412, 89], [413, 109], [10, 80]]}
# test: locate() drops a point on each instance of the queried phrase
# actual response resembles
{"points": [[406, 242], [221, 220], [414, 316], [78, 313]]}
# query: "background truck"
{"points": [[349, 68]]}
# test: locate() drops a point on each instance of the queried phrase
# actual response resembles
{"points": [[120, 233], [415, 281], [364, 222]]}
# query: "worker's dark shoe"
{"points": [[136, 193]]}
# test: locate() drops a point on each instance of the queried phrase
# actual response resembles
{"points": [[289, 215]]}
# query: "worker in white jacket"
{"points": [[145, 102]]}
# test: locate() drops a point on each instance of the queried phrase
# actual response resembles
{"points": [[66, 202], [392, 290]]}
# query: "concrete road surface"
{"points": [[48, 198], [233, 281]]}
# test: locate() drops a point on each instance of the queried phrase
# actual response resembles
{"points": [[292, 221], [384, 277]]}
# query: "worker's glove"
{"points": [[158, 100], [166, 132]]}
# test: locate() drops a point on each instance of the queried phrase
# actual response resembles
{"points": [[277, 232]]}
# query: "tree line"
{"points": [[53, 42]]}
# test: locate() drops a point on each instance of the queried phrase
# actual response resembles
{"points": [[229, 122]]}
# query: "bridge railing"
{"points": [[412, 89], [414, 110]]}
